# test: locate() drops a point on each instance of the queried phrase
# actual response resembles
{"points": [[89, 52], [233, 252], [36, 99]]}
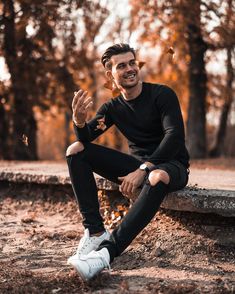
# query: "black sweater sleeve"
{"points": [[96, 126], [172, 124]]}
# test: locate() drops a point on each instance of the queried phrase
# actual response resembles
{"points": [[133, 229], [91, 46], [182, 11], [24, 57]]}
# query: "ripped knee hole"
{"points": [[74, 148], [156, 176]]}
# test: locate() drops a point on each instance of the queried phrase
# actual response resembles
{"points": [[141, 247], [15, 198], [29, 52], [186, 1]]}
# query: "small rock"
{"points": [[159, 251], [56, 290]]}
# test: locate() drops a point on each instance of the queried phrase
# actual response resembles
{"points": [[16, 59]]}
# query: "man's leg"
{"points": [[85, 159], [166, 178]]}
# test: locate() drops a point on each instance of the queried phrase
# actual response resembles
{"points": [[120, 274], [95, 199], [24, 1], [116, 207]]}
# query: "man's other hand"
{"points": [[131, 182]]}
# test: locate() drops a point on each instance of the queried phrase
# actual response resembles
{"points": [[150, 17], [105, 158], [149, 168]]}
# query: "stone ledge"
{"points": [[193, 199], [37, 178], [202, 200]]}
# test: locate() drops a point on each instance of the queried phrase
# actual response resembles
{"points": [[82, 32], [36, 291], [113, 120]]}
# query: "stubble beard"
{"points": [[130, 86], [125, 86]]}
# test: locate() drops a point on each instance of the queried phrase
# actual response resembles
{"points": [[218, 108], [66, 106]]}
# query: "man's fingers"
{"points": [[121, 178], [86, 104], [89, 105], [129, 189], [133, 190], [78, 107], [81, 99], [126, 187], [122, 187], [87, 101], [75, 98]]}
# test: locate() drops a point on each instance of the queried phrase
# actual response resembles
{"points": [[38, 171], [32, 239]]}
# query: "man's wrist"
{"points": [[79, 125], [82, 125], [150, 165], [143, 167], [146, 166]]}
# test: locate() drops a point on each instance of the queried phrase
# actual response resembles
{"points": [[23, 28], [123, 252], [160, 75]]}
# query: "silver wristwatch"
{"points": [[144, 167]]}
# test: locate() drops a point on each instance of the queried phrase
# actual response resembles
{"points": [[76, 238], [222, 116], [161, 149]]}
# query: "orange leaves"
{"points": [[171, 52], [141, 64], [110, 85], [113, 208]]}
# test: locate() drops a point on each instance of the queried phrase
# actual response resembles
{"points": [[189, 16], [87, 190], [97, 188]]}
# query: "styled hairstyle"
{"points": [[115, 50]]}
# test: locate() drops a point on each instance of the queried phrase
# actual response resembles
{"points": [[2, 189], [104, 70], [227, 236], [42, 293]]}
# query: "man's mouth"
{"points": [[130, 76]]}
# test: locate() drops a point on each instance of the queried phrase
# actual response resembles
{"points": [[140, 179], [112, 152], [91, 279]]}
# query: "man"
{"points": [[150, 118]]}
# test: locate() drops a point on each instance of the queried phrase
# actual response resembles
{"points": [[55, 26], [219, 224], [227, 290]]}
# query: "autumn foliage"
{"points": [[52, 48]]}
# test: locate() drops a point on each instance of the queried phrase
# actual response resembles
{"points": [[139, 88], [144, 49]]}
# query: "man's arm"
{"points": [[95, 127], [172, 124], [84, 131]]}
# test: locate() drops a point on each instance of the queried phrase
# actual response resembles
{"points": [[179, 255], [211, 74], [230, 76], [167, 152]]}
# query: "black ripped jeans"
{"points": [[112, 164]]}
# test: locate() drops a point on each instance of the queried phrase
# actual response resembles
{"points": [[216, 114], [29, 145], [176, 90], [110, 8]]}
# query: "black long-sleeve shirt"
{"points": [[152, 124]]}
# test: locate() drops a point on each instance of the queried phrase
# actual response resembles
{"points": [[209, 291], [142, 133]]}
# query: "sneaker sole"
{"points": [[80, 273], [69, 261]]}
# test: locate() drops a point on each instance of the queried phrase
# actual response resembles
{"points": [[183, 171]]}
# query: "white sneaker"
{"points": [[91, 264], [87, 244]]}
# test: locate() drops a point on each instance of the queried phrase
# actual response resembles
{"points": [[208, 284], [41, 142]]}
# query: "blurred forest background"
{"points": [[49, 49]]}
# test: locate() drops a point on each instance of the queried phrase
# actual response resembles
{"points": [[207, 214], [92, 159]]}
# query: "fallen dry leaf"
{"points": [[108, 85], [25, 140], [141, 64], [29, 217], [171, 52]]}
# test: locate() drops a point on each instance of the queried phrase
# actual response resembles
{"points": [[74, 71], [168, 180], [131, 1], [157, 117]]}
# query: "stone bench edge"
{"points": [[189, 199]]}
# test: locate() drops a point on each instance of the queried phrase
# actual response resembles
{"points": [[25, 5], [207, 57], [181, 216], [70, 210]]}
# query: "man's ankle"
{"points": [[97, 234]]}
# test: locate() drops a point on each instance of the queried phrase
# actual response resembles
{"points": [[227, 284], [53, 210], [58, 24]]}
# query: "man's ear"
{"points": [[109, 75]]}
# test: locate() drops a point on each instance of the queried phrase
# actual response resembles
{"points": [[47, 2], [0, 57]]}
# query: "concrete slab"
{"points": [[209, 190]]}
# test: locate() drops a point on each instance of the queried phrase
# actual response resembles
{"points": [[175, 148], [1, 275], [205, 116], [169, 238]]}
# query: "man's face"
{"points": [[125, 70]]}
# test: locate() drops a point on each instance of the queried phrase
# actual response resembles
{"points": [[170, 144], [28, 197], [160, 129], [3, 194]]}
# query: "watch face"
{"points": [[143, 166]]}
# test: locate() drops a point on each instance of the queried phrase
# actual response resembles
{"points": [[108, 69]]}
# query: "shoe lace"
{"points": [[84, 242], [102, 261]]}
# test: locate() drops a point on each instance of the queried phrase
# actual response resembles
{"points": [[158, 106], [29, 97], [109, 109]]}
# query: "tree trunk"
{"points": [[24, 126], [196, 123], [4, 134], [218, 147], [24, 123]]}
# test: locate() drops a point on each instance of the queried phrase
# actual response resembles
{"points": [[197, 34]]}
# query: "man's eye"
{"points": [[133, 63]]}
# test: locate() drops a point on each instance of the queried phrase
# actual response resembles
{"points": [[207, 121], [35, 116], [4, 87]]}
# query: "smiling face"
{"points": [[124, 71]]}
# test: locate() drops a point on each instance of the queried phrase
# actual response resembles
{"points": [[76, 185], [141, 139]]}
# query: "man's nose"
{"points": [[128, 67]]}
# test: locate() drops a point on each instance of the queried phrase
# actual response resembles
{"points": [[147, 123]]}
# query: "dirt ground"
{"points": [[176, 253], [221, 163]]}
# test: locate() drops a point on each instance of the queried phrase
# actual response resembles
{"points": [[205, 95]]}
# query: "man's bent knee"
{"points": [[158, 175], [74, 148]]}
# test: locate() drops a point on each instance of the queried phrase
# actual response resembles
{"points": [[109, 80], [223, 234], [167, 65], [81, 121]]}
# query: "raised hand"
{"points": [[80, 105]]}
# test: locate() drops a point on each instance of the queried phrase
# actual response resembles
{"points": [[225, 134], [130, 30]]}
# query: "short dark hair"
{"points": [[115, 50]]}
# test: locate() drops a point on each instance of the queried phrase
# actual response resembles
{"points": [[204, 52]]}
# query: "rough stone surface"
{"points": [[209, 191], [202, 200]]}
